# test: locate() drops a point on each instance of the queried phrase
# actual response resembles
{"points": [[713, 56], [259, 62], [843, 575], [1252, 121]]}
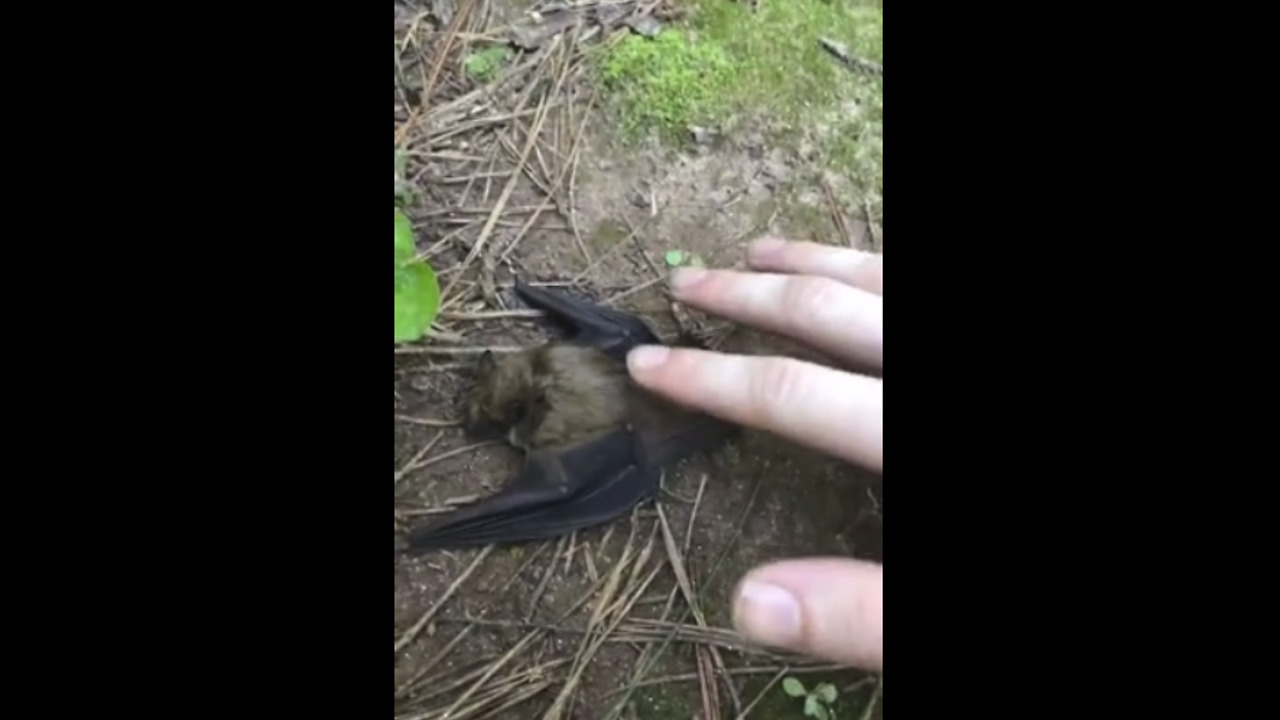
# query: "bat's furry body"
{"points": [[549, 395], [596, 442]]}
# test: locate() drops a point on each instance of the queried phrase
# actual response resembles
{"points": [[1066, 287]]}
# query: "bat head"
{"points": [[502, 395]]}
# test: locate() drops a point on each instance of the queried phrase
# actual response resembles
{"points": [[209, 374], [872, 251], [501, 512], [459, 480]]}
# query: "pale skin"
{"points": [[831, 299]]}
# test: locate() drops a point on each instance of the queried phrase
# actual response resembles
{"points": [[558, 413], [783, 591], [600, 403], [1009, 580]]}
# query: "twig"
{"points": [[444, 506], [407, 467], [408, 687], [531, 143], [871, 704], [429, 422], [736, 672], [876, 243], [480, 209], [433, 368], [633, 290], [417, 628], [574, 159], [582, 275], [495, 667], [432, 350], [494, 315], [523, 642], [414, 467], [429, 83], [837, 215], [599, 618], [840, 51], [518, 686], [487, 230], [742, 715], [644, 254], [649, 659], [686, 586], [543, 583]]}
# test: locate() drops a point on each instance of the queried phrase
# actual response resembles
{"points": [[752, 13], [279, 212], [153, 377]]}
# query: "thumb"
{"points": [[829, 608]]}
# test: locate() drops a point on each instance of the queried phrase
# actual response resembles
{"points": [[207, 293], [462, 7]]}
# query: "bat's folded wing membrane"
{"points": [[612, 494], [696, 432], [604, 479], [610, 499], [556, 492], [613, 331], [514, 499]]}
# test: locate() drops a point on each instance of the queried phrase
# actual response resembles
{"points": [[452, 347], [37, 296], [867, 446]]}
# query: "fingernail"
{"points": [[646, 357], [685, 278], [765, 247], [767, 614]]}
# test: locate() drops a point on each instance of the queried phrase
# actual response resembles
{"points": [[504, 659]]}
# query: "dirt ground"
{"points": [[619, 621]]}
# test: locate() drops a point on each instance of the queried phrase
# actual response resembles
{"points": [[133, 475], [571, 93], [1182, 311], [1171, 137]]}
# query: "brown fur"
{"points": [[550, 395]]}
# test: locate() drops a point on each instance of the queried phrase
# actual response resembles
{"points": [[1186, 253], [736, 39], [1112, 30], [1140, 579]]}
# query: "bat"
{"points": [[595, 442]]}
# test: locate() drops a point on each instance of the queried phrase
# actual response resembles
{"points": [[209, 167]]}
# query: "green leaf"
{"points": [[815, 709], [827, 692], [417, 288], [793, 687], [674, 257], [417, 300], [405, 249]]}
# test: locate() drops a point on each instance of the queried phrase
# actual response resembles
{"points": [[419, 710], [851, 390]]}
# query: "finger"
{"points": [[862, 270], [829, 608], [818, 311], [836, 412]]}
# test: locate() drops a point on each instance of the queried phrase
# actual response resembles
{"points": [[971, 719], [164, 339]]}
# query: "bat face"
{"points": [[503, 392]]}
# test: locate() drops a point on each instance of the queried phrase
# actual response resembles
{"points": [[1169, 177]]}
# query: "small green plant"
{"points": [[417, 289], [483, 64], [817, 702], [676, 258]]}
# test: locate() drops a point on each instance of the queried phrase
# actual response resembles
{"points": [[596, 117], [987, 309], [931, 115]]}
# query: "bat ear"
{"points": [[486, 362]]}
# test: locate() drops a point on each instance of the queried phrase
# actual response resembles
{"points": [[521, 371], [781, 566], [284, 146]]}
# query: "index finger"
{"points": [[860, 269], [836, 412], [824, 313]]}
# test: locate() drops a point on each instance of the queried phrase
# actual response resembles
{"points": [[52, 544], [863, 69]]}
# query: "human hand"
{"points": [[832, 299]]}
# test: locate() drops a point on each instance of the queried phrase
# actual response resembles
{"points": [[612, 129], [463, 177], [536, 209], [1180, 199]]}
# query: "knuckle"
{"points": [[780, 383], [810, 298]]}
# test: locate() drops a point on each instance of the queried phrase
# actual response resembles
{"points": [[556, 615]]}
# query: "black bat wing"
{"points": [[697, 432], [538, 502], [523, 495], [607, 500], [616, 471], [613, 331]]}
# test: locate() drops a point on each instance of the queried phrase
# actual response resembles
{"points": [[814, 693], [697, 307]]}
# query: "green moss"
{"points": [[778, 59], [664, 84], [726, 65]]}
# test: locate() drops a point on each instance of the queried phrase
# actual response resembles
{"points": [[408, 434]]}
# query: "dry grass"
{"points": [[486, 687], [496, 162]]}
